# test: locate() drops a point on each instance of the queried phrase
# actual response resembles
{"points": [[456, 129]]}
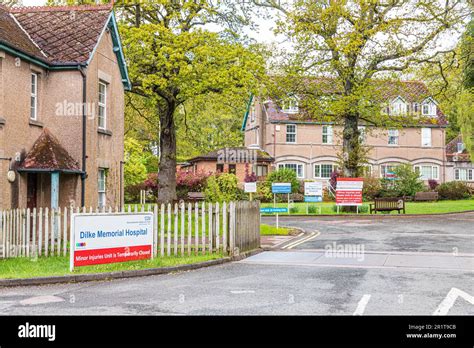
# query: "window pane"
{"points": [[326, 170], [317, 171]]}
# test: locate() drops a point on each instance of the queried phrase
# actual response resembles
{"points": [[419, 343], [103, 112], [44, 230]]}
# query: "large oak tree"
{"points": [[356, 43]]}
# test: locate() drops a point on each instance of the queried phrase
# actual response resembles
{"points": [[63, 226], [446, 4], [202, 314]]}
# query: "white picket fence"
{"points": [[182, 229]]}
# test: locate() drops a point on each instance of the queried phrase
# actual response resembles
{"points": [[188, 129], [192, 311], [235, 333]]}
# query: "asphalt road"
{"points": [[408, 266]]}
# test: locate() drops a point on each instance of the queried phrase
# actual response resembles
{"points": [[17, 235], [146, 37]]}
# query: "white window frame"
{"points": [[319, 165], [102, 105], [468, 176], [460, 147], [399, 107], [433, 168], [291, 105], [34, 96], [395, 134], [297, 165], [291, 133], [102, 192], [328, 132], [426, 137], [430, 108]]}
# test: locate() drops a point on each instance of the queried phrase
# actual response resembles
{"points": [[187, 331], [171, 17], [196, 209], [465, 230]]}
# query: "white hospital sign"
{"points": [[109, 238]]}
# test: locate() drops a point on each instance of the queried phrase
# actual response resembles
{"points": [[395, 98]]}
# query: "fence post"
{"points": [[224, 227], [175, 238], [217, 228], [168, 247], [203, 224], [46, 231], [196, 228], [182, 228], [162, 230], [211, 228], [231, 228], [190, 229], [155, 229]]}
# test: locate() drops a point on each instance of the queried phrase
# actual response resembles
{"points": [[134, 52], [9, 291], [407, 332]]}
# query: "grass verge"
{"points": [[411, 207], [15, 268], [267, 230]]}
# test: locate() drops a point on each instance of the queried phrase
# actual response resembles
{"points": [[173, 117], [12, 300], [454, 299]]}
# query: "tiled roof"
{"points": [[13, 35], [47, 153], [452, 150], [68, 34], [410, 91]]}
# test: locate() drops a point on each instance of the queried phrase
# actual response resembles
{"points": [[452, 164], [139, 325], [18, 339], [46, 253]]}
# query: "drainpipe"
{"points": [[84, 135]]}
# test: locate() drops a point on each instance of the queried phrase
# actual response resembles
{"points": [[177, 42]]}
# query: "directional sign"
{"points": [[273, 210], [281, 187], [313, 188], [313, 199]]}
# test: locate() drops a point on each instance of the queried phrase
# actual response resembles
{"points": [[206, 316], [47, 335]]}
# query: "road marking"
{"points": [[362, 304], [301, 241], [242, 292], [450, 299], [41, 300]]}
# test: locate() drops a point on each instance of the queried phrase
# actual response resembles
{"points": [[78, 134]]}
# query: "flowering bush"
{"points": [[433, 184], [249, 177]]}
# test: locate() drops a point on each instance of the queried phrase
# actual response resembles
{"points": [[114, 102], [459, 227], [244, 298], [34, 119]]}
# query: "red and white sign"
{"points": [[349, 191], [108, 238]]}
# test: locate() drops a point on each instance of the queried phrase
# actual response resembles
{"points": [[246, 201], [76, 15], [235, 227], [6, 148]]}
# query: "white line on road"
{"points": [[242, 292], [362, 304], [301, 241], [450, 299]]}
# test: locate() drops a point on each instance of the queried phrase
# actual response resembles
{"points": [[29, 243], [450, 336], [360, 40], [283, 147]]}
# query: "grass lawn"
{"points": [[267, 230], [59, 265], [411, 207]]}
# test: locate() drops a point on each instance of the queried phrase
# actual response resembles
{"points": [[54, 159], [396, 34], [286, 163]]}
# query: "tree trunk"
{"points": [[351, 152], [167, 166]]}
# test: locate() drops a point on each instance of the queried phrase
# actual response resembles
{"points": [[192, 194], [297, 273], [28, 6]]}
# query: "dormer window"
{"points": [[428, 108], [399, 107], [460, 147], [291, 105]]}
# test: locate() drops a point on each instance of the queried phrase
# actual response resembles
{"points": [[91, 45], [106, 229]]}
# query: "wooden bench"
{"points": [[426, 196], [196, 196], [387, 204]]}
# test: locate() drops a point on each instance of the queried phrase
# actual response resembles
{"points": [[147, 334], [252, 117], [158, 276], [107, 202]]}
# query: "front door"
{"points": [[31, 190]]}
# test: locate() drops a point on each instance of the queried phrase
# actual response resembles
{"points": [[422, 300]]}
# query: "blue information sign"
{"points": [[274, 210], [281, 187], [313, 199]]}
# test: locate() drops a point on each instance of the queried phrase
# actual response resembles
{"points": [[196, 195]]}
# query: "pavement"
{"points": [[342, 265]]}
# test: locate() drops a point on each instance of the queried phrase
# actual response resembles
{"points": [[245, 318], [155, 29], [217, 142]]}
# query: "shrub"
{"points": [[284, 175], [264, 192], [297, 197], [364, 208], [372, 188], [190, 182], [312, 209], [407, 182], [433, 184], [294, 210], [453, 190], [249, 177], [222, 188]]}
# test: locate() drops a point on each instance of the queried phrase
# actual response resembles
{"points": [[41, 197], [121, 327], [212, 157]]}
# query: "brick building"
{"points": [[311, 148], [62, 82]]}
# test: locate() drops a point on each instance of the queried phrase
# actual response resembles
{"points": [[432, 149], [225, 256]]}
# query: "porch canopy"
{"points": [[47, 155]]}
